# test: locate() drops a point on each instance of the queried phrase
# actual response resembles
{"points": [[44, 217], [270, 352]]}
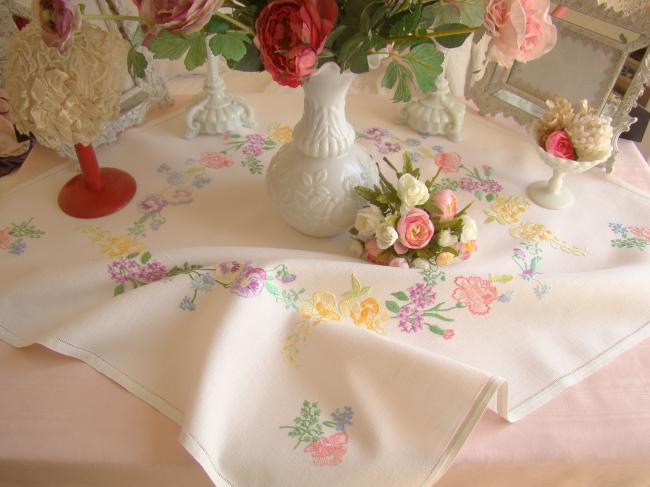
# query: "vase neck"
{"points": [[323, 131]]}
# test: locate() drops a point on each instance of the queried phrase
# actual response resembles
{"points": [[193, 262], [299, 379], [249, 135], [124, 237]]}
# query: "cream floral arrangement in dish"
{"points": [[580, 135], [408, 225]]}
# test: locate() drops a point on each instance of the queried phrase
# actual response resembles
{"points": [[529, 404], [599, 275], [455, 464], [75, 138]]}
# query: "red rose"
{"points": [[559, 144], [290, 34]]}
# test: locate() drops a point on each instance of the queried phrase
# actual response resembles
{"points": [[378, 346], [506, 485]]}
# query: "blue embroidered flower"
{"points": [[202, 282], [187, 304], [618, 228], [164, 167], [505, 298], [175, 178], [17, 247], [342, 418], [201, 180], [412, 142], [190, 161]]}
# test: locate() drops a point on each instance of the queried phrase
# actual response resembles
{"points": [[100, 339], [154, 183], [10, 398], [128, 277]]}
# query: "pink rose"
{"points": [[559, 144], [399, 262], [447, 202], [59, 19], [521, 30], [184, 16], [399, 248], [448, 161], [290, 34], [373, 252], [415, 229]]}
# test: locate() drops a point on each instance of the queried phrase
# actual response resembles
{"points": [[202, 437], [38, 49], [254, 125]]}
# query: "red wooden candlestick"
{"points": [[96, 191]]}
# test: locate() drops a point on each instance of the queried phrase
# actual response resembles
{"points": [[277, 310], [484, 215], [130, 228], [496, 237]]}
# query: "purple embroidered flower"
{"points": [[469, 184], [187, 304], [491, 186], [123, 270], [391, 147], [228, 268], [252, 150], [152, 271], [374, 133], [618, 228], [285, 277], [152, 203], [410, 322], [17, 247], [255, 139], [421, 296], [249, 283]]}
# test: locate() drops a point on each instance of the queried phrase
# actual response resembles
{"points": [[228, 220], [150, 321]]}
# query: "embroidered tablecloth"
{"points": [[286, 361]]}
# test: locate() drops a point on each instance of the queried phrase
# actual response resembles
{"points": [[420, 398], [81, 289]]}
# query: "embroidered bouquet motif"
{"points": [[630, 237], [327, 450], [14, 238]]}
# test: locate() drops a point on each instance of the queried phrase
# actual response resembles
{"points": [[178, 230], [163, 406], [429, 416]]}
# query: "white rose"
{"points": [[447, 239], [386, 236], [367, 220], [421, 263], [356, 248], [470, 231], [411, 193]]}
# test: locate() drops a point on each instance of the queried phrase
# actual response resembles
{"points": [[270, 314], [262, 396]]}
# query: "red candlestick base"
{"points": [[96, 191]]}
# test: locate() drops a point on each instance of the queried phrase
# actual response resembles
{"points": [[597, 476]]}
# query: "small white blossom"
{"points": [[367, 220], [421, 263], [386, 235], [470, 230], [411, 193], [447, 239], [356, 248]]}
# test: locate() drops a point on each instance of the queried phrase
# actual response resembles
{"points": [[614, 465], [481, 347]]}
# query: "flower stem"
{"points": [[431, 35], [234, 22], [111, 17]]}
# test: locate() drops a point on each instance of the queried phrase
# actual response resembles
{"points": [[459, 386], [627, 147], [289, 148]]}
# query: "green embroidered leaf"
{"points": [[146, 257], [329, 424], [167, 45], [198, 52], [435, 329], [118, 290], [401, 295], [133, 255], [356, 285], [271, 288], [392, 306], [231, 45], [136, 63]]}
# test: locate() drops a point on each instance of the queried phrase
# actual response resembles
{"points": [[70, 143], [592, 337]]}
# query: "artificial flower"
{"points": [[367, 220], [421, 263], [183, 16], [521, 30], [356, 248], [447, 202], [59, 20], [411, 192], [415, 229], [559, 144], [470, 230], [447, 239], [399, 262], [291, 34], [444, 258], [386, 235]]}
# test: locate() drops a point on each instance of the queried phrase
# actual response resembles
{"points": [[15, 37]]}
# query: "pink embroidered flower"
{"points": [[59, 20], [559, 144], [152, 203], [329, 450], [474, 292], [249, 283], [399, 262], [152, 271], [448, 161], [641, 232], [521, 30], [447, 202], [123, 270], [448, 334], [415, 229], [5, 238], [215, 160]]}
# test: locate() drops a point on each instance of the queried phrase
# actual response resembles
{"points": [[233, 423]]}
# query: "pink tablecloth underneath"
{"points": [[63, 424]]}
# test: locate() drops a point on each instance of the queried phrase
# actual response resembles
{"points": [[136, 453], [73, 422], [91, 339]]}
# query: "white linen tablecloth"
{"points": [[232, 353]]}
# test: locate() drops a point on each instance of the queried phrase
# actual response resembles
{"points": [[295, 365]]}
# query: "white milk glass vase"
{"points": [[311, 179]]}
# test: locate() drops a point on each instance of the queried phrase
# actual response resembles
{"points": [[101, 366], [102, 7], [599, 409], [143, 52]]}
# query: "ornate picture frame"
{"points": [[585, 64], [139, 95]]}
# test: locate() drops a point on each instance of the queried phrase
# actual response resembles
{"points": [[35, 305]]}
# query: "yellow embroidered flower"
{"points": [[282, 134], [533, 232], [120, 246], [368, 314], [321, 308], [507, 210]]}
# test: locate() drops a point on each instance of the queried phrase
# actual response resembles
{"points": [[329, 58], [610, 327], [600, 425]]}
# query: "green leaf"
{"points": [[426, 62], [136, 63], [198, 52], [334, 35], [453, 40], [217, 25], [251, 62], [118, 290], [329, 424], [168, 46], [407, 23], [471, 12], [435, 329], [133, 255], [399, 76], [146, 257], [401, 295], [392, 306], [231, 45], [271, 288], [355, 46]]}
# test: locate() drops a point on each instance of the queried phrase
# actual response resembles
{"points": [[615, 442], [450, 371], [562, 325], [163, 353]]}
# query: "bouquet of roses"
{"points": [[406, 225]]}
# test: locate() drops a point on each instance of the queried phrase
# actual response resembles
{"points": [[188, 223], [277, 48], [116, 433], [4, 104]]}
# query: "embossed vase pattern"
{"points": [[311, 179]]}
